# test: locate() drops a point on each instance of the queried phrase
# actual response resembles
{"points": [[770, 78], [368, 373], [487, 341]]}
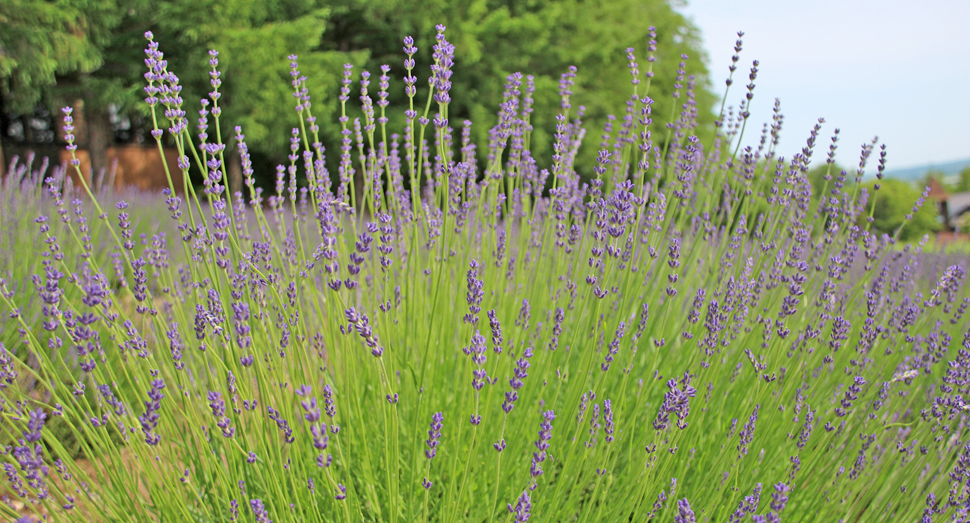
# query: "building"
{"points": [[953, 209]]}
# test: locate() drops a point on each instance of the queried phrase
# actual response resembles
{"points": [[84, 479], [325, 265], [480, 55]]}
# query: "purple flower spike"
{"points": [[328, 403], [749, 505], [542, 444], [684, 512], [434, 435], [608, 420], [747, 433], [523, 506], [614, 347], [361, 323], [497, 339], [35, 425], [259, 511], [779, 498], [149, 420], [443, 55], [281, 424], [851, 394], [519, 373], [218, 406], [474, 295], [676, 401]]}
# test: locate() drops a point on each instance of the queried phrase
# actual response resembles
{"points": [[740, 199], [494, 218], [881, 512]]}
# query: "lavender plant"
{"points": [[667, 341]]}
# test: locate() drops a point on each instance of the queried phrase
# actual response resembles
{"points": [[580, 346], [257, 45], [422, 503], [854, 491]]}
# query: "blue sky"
{"points": [[896, 69]]}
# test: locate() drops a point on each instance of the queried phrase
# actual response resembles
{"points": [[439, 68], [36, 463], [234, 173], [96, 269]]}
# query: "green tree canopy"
{"points": [[963, 180], [38, 41], [494, 39], [254, 40], [816, 176], [93, 50], [893, 202]]}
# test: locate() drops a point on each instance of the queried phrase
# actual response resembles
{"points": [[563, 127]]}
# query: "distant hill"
{"points": [[915, 173]]}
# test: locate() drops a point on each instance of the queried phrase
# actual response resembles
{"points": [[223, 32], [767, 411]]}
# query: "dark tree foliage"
{"points": [[494, 39], [57, 53]]}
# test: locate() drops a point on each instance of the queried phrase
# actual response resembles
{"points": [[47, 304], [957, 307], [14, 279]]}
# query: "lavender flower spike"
{"points": [[523, 506], [434, 435], [677, 402], [474, 295], [747, 433], [361, 323], [259, 511], [542, 444], [149, 420], [684, 512]]}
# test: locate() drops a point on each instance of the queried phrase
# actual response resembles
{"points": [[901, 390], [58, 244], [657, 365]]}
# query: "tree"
{"points": [[816, 176], [893, 202], [495, 38], [253, 40], [39, 40], [92, 51], [963, 180], [57, 53]]}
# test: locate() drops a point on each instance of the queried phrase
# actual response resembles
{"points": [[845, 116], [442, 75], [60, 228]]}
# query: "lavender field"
{"points": [[685, 334]]}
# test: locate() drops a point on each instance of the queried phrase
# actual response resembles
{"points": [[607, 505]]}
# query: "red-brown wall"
{"points": [[137, 166]]}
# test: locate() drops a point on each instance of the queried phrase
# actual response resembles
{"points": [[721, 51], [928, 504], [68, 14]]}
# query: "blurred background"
{"points": [[89, 55]]}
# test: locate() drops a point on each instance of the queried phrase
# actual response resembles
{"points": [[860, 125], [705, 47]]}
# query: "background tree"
{"points": [[254, 39], [963, 180], [493, 39], [894, 201], [816, 176], [39, 40], [535, 37], [72, 52]]}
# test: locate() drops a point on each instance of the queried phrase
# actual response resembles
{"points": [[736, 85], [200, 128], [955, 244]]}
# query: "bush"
{"points": [[472, 342]]}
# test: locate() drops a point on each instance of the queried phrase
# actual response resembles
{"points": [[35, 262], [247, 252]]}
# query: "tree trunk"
{"points": [[235, 173], [99, 139]]}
